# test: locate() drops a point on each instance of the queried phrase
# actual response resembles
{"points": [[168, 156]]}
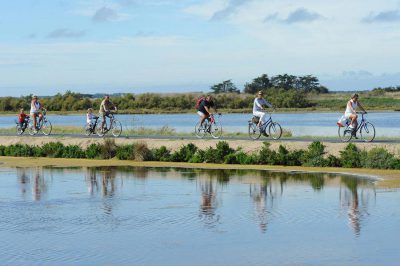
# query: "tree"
{"points": [[284, 81], [225, 86], [260, 83]]}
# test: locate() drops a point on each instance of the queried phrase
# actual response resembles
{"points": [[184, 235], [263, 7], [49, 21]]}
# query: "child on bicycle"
{"points": [[22, 119], [258, 108], [351, 112], [90, 117]]}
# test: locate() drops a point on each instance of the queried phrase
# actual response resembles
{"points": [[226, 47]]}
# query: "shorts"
{"points": [[200, 113], [347, 115]]}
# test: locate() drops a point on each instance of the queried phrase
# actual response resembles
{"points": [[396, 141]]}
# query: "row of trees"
{"points": [[286, 82]]}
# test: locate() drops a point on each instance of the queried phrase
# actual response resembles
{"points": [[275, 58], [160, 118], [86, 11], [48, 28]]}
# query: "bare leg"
{"points": [[34, 121]]}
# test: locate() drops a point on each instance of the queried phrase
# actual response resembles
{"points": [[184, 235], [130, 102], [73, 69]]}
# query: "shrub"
{"points": [[211, 156], [53, 149], [126, 152], [350, 157], [198, 157], [184, 154], [223, 150], [73, 151], [161, 154], [333, 161], [314, 156], [93, 151], [108, 149], [380, 158], [18, 150], [266, 155], [142, 152]]}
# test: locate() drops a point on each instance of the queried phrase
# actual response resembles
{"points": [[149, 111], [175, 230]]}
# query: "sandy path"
{"points": [[246, 145]]}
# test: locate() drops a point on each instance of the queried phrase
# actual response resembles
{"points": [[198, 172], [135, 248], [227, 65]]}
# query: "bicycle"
{"points": [[43, 125], [366, 129], [91, 128], [255, 131], [21, 129], [114, 126], [211, 126]]}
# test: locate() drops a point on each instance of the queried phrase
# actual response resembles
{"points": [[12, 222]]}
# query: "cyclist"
{"points": [[22, 119], [105, 109], [258, 108], [35, 112], [90, 117], [204, 107], [351, 113]]}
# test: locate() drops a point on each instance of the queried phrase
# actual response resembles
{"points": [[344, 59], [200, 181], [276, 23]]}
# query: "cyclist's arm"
{"points": [[259, 105], [207, 110]]}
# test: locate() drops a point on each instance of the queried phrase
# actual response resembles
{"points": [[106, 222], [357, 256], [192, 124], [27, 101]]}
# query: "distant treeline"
{"points": [[283, 91]]}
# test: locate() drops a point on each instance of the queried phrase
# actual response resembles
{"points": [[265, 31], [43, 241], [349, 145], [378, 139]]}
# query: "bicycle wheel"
{"points": [[46, 127], [216, 130], [254, 131], [31, 129], [87, 130], [100, 131], [116, 128], [367, 132], [19, 130], [275, 130], [200, 130], [345, 134]]}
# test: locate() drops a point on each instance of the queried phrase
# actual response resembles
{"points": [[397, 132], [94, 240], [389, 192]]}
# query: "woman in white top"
{"points": [[351, 108], [258, 107], [36, 108]]}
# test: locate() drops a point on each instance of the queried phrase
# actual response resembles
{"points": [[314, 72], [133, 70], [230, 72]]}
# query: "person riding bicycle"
{"points": [[258, 108], [36, 111], [22, 119], [204, 108], [351, 113], [90, 117], [105, 109]]}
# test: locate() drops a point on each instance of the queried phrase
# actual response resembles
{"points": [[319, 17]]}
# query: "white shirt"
{"points": [[354, 105], [35, 107], [89, 118], [258, 104]]}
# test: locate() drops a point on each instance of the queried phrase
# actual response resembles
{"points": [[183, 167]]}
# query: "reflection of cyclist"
{"points": [[204, 108], [36, 108], [351, 108], [258, 109], [105, 109]]}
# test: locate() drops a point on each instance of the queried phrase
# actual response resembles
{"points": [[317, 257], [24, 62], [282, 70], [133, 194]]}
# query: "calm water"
{"points": [[141, 216], [301, 124]]}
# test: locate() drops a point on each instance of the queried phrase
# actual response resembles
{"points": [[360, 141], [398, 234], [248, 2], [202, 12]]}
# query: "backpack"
{"points": [[199, 100]]}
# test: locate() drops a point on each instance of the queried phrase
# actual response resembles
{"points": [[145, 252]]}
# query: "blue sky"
{"points": [[50, 46]]}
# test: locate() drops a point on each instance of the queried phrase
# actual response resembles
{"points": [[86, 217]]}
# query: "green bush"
{"points": [[73, 151], [142, 152], [198, 157], [53, 149], [351, 156], [108, 149], [314, 156], [126, 152], [161, 154], [185, 153], [94, 151], [266, 155], [380, 158]]}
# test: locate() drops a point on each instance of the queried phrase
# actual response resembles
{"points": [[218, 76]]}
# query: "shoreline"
{"points": [[383, 178], [223, 111]]}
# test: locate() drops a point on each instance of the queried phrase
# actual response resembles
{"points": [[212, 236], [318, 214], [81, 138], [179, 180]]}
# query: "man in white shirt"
{"points": [[258, 107]]}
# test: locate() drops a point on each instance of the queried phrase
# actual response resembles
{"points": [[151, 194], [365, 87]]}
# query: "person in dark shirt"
{"points": [[204, 109], [22, 119]]}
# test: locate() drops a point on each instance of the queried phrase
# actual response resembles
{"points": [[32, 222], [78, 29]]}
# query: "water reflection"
{"points": [[208, 203], [38, 186], [263, 189], [350, 199]]}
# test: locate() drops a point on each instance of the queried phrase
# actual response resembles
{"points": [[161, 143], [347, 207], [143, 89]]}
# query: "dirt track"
{"points": [[246, 145]]}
